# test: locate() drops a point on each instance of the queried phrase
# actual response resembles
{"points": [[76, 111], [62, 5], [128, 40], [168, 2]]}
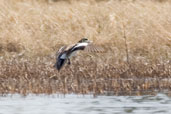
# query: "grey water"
{"points": [[85, 104]]}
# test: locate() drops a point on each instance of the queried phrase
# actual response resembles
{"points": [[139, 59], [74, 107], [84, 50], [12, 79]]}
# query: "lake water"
{"points": [[85, 104]]}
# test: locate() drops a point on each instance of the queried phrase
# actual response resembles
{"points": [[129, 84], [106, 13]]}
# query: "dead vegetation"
{"points": [[136, 35], [82, 77]]}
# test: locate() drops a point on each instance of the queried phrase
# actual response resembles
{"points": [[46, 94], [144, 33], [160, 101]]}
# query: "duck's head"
{"points": [[84, 40]]}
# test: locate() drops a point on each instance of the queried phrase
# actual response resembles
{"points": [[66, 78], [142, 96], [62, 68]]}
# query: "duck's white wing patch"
{"points": [[81, 44]]}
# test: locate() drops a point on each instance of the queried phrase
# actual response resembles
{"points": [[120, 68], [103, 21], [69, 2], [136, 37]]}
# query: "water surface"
{"points": [[85, 104]]}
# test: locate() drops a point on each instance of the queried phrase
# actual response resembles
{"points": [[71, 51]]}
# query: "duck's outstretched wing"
{"points": [[59, 62], [60, 58], [94, 48], [62, 49]]}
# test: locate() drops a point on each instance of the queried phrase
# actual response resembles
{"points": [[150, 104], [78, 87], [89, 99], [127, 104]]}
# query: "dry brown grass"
{"points": [[25, 76], [32, 31]]}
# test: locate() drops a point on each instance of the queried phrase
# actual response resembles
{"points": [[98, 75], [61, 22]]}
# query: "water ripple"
{"points": [[83, 104]]}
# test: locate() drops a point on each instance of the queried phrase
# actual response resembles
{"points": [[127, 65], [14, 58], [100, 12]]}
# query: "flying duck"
{"points": [[66, 52]]}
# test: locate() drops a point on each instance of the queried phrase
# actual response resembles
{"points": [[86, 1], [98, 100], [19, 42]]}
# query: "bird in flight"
{"points": [[66, 52]]}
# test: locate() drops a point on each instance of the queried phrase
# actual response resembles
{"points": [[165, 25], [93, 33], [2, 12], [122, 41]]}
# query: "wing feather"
{"points": [[94, 48]]}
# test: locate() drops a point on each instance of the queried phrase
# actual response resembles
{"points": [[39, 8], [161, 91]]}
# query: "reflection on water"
{"points": [[79, 104]]}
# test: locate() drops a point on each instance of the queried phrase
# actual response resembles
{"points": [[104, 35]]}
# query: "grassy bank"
{"points": [[39, 76], [136, 36]]}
